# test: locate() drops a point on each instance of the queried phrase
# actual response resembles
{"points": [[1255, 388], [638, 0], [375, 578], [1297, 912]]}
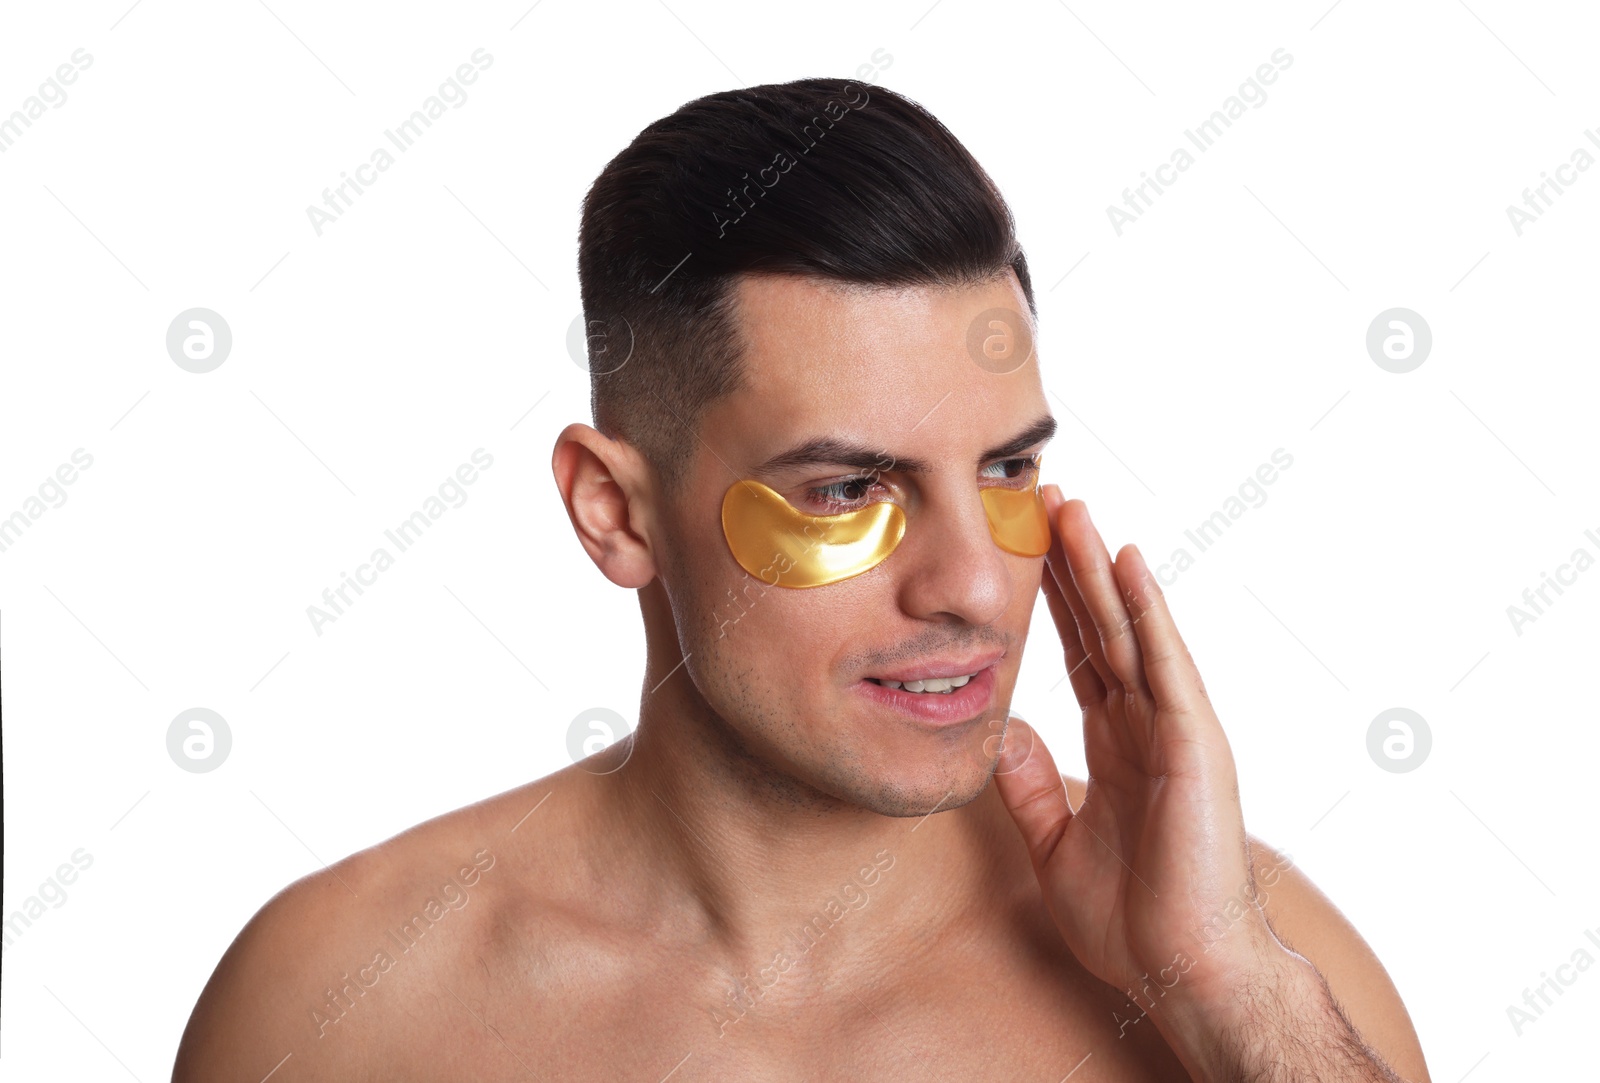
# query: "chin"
{"points": [[918, 797]]}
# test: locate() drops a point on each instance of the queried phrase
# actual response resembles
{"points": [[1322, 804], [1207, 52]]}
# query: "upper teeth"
{"points": [[928, 684]]}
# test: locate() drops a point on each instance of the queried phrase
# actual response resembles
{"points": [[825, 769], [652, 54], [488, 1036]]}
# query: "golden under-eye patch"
{"points": [[783, 546], [1018, 521]]}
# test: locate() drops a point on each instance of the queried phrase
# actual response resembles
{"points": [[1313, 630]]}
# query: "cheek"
{"points": [[770, 628], [791, 638], [1026, 592]]}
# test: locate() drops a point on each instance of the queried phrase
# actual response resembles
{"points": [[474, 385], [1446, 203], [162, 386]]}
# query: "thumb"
{"points": [[1032, 790]]}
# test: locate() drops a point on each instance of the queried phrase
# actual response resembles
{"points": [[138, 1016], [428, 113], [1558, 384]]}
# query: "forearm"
{"points": [[1280, 1025]]}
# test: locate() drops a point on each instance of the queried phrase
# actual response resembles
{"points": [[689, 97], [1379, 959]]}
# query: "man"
{"points": [[827, 850]]}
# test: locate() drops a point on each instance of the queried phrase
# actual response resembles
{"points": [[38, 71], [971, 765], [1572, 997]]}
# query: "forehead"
{"points": [[899, 367]]}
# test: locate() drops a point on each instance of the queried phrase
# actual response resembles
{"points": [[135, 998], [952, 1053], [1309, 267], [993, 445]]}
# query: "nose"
{"points": [[949, 564]]}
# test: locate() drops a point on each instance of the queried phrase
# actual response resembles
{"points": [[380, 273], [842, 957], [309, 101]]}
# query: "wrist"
{"points": [[1280, 1023], [1213, 1024]]}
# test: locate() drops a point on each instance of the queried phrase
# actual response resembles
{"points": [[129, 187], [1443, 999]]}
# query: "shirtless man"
{"points": [[817, 458]]}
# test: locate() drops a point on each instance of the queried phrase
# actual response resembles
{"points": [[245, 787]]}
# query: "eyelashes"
{"points": [[835, 497]]}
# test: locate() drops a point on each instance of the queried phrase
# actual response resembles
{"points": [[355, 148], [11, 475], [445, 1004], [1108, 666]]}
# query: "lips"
{"points": [[945, 666], [937, 709]]}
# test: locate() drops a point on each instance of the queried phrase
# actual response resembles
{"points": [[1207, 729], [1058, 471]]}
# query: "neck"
{"points": [[760, 861]]}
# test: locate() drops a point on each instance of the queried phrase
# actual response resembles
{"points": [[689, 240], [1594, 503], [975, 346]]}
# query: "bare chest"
{"points": [[1024, 1019]]}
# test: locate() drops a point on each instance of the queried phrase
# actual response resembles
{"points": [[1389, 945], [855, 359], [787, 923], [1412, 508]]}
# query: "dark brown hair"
{"points": [[827, 178]]}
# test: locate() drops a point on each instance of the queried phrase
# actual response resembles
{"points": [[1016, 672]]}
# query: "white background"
{"points": [[431, 319]]}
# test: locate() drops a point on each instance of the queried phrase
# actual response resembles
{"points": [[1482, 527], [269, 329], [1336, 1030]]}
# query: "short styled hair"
{"points": [[835, 180]]}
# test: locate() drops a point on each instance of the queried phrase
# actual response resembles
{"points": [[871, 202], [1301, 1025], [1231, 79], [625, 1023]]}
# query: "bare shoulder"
{"points": [[329, 977], [1309, 923]]}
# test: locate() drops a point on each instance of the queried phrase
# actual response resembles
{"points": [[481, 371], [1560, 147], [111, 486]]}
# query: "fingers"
{"points": [[1109, 628], [1120, 614], [1103, 739], [1082, 625], [1086, 682], [1169, 669], [1032, 790]]}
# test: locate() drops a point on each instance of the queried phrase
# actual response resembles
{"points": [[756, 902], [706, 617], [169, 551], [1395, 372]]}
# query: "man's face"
{"points": [[786, 670]]}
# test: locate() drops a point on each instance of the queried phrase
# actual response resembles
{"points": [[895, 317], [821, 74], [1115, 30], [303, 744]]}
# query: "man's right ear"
{"points": [[606, 487]]}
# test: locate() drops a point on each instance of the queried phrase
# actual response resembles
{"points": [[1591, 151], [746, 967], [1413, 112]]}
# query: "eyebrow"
{"points": [[833, 451]]}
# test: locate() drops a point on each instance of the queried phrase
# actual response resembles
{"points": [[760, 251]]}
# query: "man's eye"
{"points": [[852, 493], [1015, 469], [846, 495]]}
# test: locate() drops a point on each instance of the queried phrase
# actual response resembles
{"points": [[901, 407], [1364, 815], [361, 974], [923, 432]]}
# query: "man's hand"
{"points": [[1158, 843]]}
